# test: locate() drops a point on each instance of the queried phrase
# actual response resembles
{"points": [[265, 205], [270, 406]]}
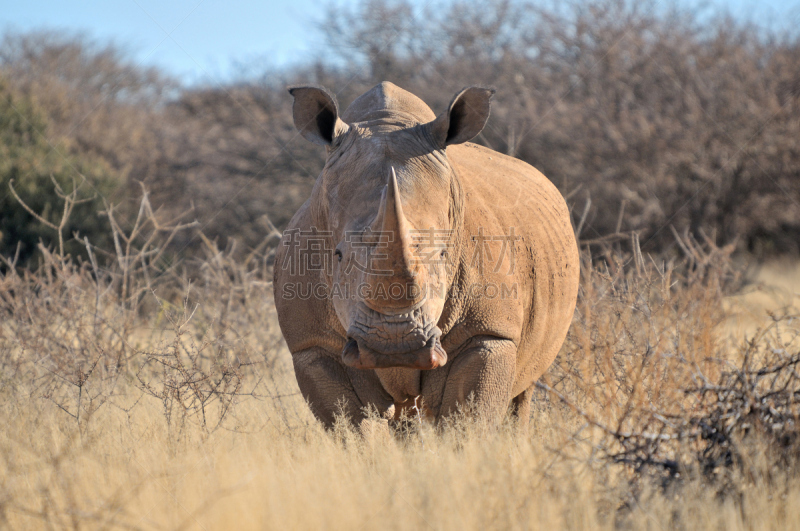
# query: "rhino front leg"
{"points": [[331, 388], [484, 369]]}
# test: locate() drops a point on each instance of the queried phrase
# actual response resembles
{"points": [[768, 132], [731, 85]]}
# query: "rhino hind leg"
{"points": [[482, 372], [331, 388], [521, 408]]}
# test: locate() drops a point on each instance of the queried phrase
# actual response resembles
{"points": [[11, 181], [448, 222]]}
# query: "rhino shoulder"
{"points": [[483, 168], [305, 313], [503, 193]]}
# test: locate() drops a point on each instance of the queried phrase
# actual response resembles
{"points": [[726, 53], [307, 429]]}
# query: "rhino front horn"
{"points": [[392, 268]]}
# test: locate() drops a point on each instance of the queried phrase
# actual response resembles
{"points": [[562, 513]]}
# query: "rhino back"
{"points": [[500, 193]]}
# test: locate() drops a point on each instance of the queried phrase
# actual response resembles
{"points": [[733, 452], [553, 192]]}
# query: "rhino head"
{"points": [[390, 205]]}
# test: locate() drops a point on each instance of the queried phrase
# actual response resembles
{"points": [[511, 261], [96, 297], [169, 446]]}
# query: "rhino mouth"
{"points": [[359, 356], [378, 341]]}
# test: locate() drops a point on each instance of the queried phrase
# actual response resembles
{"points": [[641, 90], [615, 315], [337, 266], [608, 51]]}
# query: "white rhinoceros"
{"points": [[423, 269]]}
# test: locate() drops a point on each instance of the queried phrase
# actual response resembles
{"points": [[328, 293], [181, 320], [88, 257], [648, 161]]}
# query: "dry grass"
{"points": [[135, 398], [774, 287]]}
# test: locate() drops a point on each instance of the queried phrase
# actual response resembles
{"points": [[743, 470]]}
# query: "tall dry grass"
{"points": [[136, 396]]}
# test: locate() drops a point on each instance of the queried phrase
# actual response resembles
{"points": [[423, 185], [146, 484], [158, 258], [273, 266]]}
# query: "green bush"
{"points": [[41, 174]]}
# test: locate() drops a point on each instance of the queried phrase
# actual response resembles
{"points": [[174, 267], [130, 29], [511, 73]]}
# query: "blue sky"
{"points": [[206, 38], [209, 37]]}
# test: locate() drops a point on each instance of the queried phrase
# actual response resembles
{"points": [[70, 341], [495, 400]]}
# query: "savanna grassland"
{"points": [[144, 382], [135, 398]]}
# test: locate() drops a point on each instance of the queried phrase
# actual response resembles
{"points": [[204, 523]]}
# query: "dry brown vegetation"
{"points": [[144, 383], [136, 397], [644, 116]]}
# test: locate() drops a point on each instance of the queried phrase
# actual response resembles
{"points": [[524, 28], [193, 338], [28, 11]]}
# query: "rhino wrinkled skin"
{"points": [[424, 271]]}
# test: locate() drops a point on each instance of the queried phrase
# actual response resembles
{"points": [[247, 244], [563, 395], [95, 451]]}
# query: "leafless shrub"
{"points": [[57, 334], [96, 98], [72, 327], [681, 116], [648, 121], [190, 378], [646, 381], [668, 116], [646, 368]]}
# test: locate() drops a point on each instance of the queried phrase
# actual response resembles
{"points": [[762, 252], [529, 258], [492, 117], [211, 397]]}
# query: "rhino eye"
{"points": [[338, 254]]}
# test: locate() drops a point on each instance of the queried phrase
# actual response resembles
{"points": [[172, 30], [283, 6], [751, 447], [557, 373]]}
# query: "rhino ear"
{"points": [[464, 118], [316, 114]]}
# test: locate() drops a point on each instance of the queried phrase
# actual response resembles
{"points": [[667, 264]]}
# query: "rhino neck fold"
{"points": [[456, 245]]}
